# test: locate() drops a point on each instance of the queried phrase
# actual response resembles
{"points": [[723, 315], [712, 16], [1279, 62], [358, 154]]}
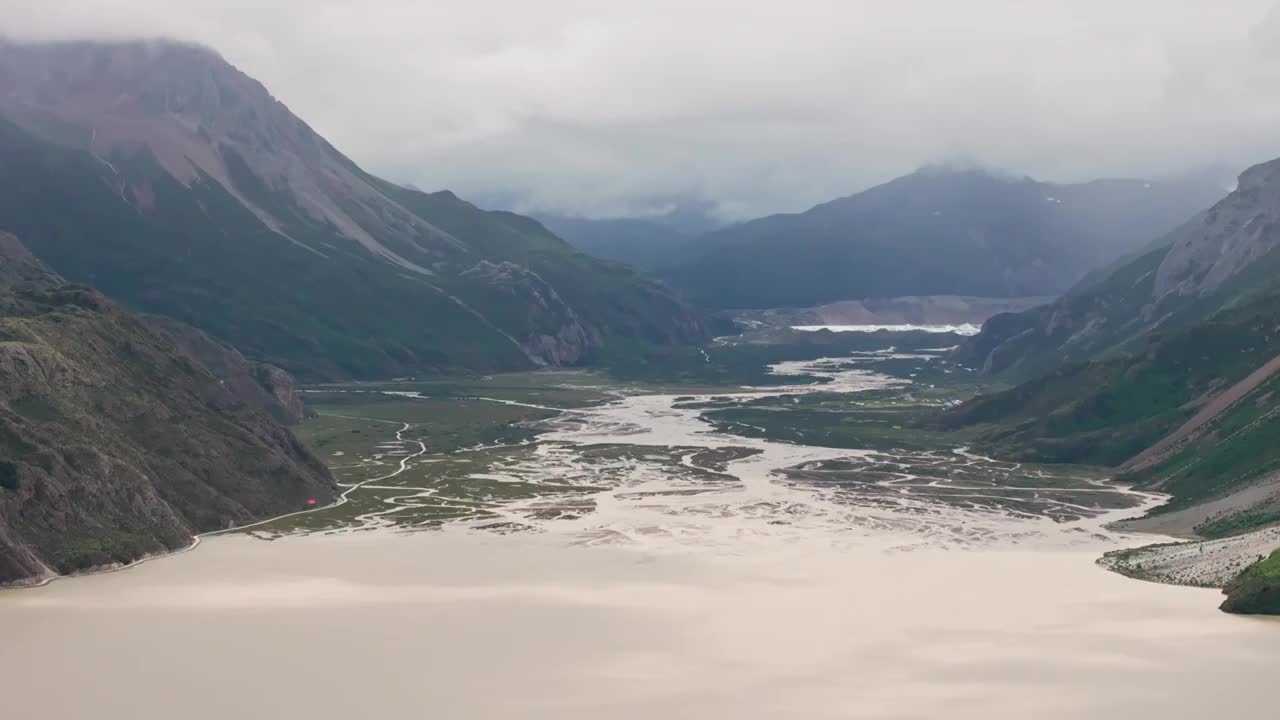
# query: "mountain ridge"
{"points": [[1222, 257], [225, 211], [935, 232], [650, 241]]}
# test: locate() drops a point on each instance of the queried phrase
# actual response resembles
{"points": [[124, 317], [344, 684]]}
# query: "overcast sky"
{"points": [[598, 106]]}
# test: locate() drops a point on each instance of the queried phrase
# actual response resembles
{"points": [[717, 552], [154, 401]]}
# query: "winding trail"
{"points": [[350, 487]]}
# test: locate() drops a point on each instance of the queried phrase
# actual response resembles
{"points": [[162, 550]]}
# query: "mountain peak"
{"points": [[1236, 232], [947, 229], [1261, 177], [50, 71], [200, 119], [967, 168]]}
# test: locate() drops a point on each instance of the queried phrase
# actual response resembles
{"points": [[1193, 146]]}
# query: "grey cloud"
{"points": [[589, 106]]}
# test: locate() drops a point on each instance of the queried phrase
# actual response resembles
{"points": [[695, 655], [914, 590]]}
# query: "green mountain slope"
{"points": [[176, 184], [1168, 368], [1109, 410], [936, 232], [1233, 450], [114, 443]]}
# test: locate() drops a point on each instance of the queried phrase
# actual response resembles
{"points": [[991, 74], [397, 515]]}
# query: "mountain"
{"points": [[642, 243], [1109, 410], [653, 241], [1168, 368], [165, 177], [260, 384], [114, 443], [936, 232], [1224, 257]]}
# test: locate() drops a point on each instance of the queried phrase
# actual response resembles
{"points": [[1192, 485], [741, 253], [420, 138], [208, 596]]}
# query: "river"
{"points": [[726, 591]]}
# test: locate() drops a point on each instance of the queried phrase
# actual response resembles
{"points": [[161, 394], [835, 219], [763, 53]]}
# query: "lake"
{"points": [[468, 625]]}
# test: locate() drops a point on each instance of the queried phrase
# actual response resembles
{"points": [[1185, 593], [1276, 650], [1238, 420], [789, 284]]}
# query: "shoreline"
{"points": [[1185, 558], [1193, 563], [195, 543], [1101, 561], [196, 538]]}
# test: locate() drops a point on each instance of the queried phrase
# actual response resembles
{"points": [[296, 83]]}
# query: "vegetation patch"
{"points": [[1257, 590]]}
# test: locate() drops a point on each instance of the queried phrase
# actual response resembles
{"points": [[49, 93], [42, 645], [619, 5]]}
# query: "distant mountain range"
{"points": [[935, 232], [168, 179], [643, 243], [651, 241]]}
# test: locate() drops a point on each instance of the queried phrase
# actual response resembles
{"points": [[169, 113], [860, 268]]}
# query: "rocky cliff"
{"points": [[114, 443], [258, 384]]}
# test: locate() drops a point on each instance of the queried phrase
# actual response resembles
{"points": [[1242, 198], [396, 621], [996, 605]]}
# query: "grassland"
{"points": [[420, 460], [890, 419], [425, 452], [1257, 590]]}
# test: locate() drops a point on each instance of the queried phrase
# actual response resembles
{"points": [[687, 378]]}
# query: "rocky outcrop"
{"points": [[259, 384], [116, 444], [551, 330], [286, 402], [20, 270], [1238, 231]]}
